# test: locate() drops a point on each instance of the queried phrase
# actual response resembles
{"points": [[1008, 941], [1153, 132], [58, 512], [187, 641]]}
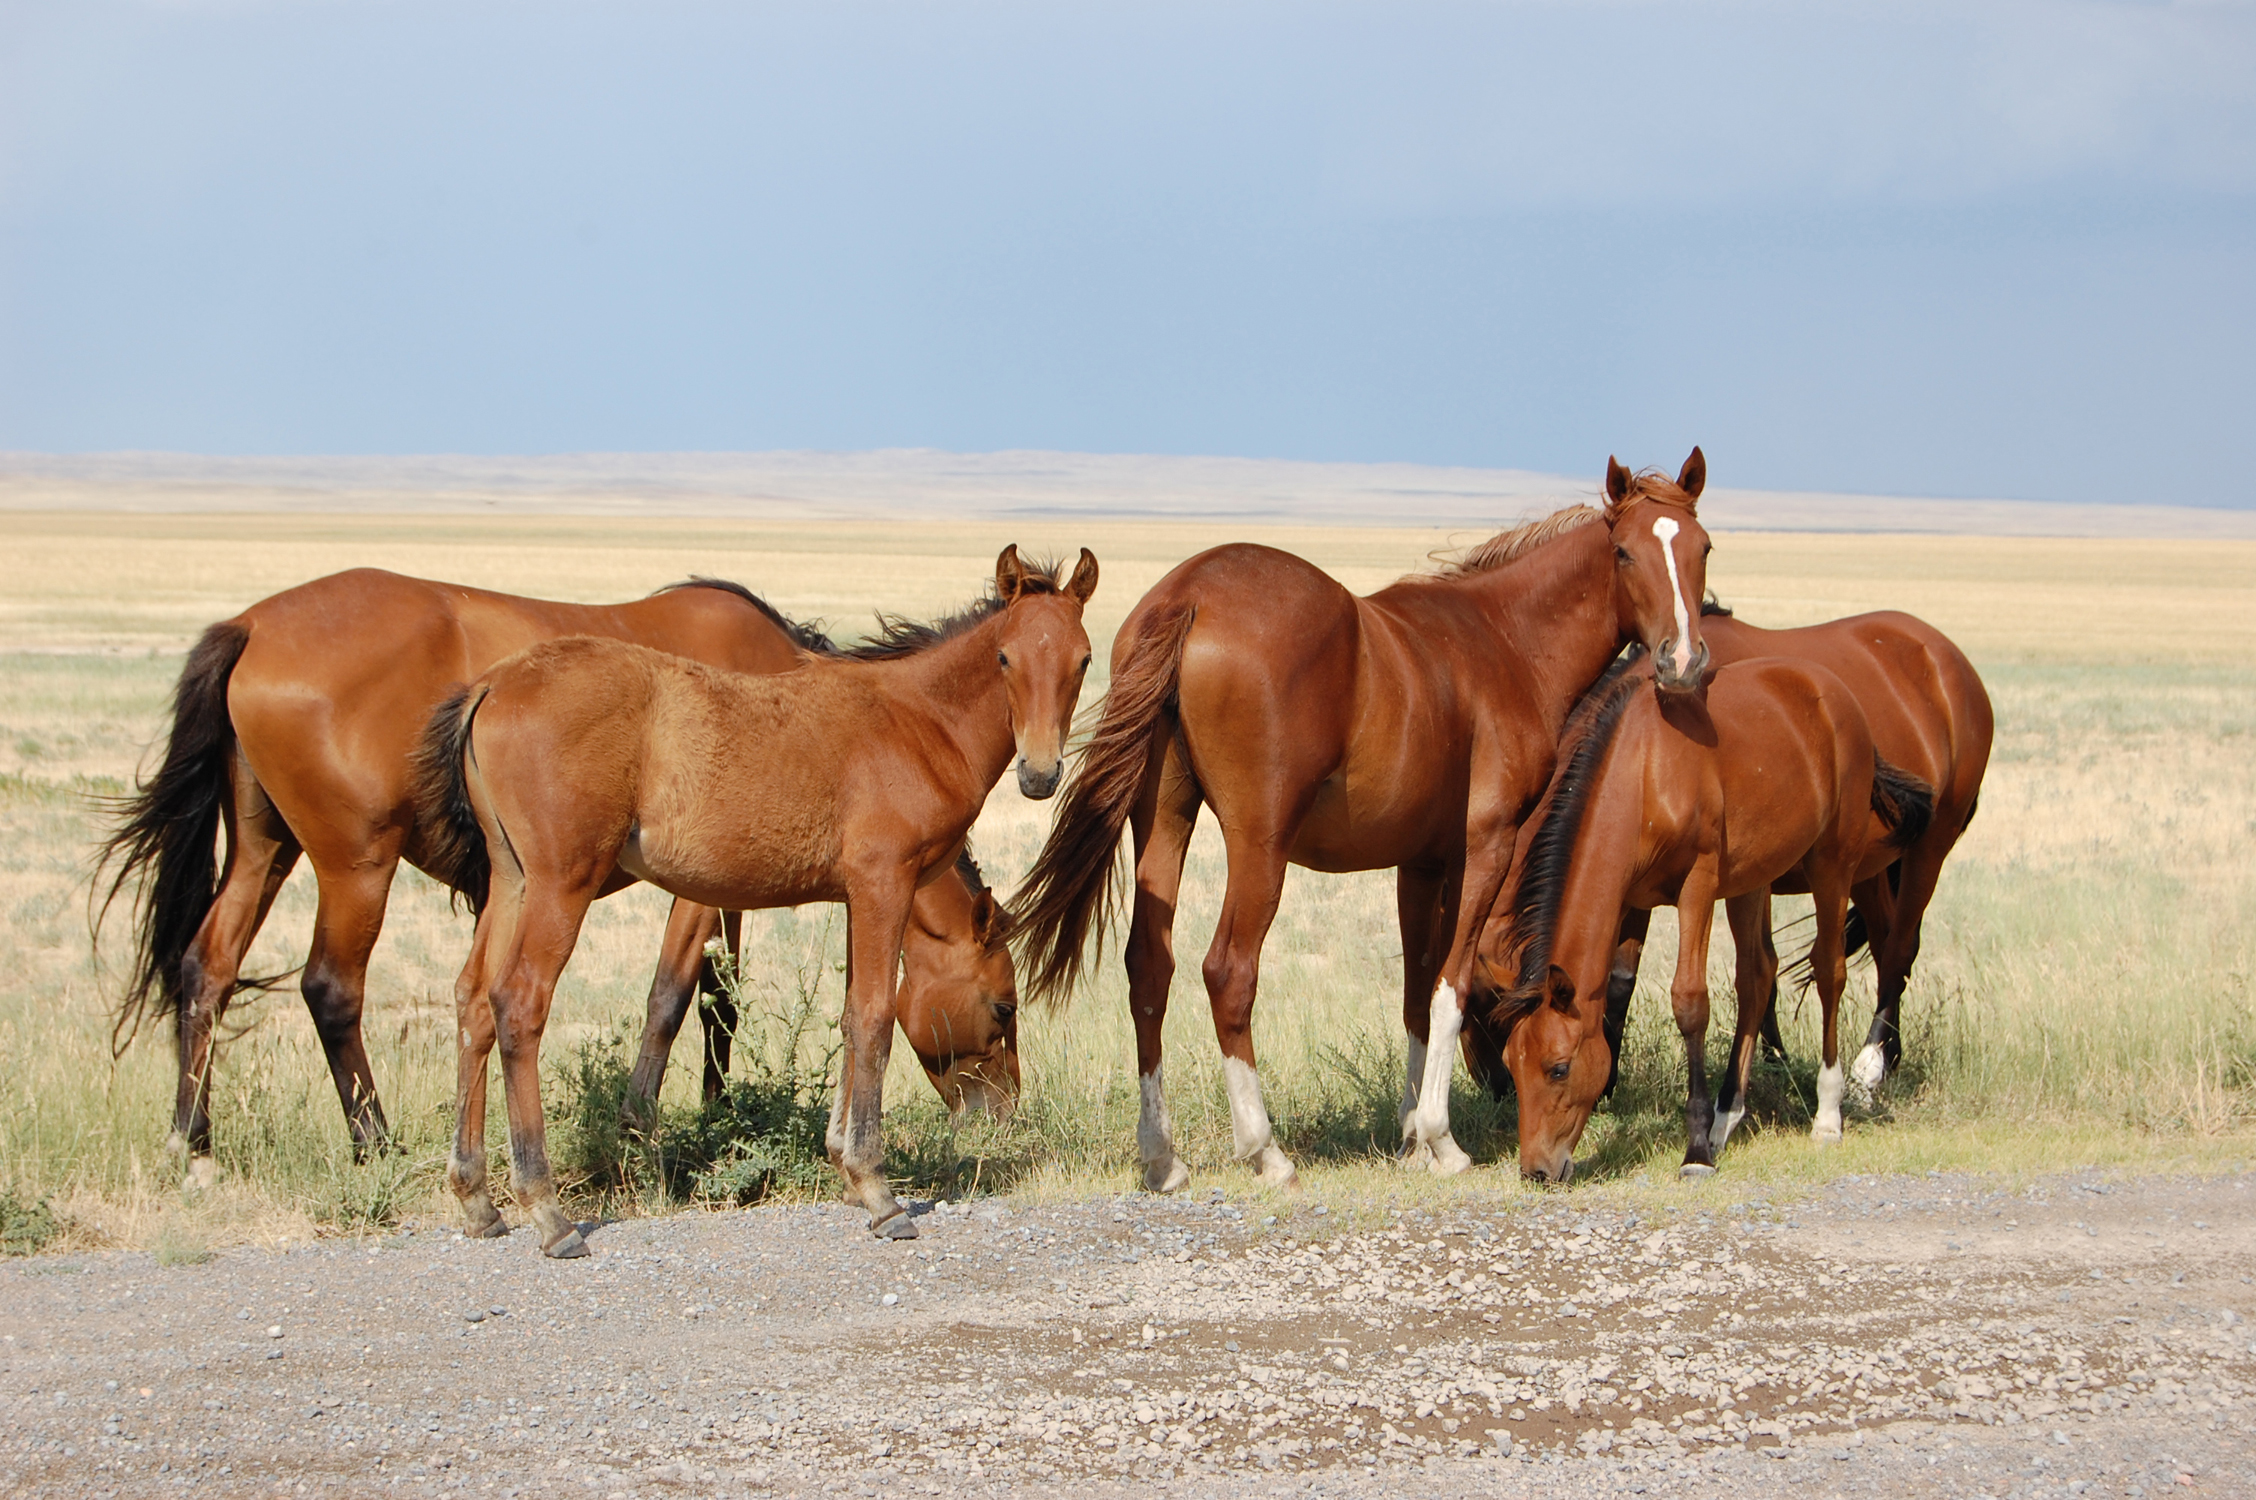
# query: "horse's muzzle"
{"points": [[1669, 679], [1561, 1173], [1039, 784]]}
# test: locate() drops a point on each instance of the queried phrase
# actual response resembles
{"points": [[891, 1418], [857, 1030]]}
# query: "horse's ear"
{"points": [[1083, 583], [1010, 574], [984, 909], [1558, 990], [1617, 486], [1693, 477]]}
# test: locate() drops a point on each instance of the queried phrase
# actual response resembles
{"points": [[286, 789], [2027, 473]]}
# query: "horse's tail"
{"points": [[1070, 897], [165, 840], [1905, 803], [439, 781]]}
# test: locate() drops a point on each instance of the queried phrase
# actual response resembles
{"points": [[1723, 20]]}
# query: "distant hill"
{"points": [[926, 483]]}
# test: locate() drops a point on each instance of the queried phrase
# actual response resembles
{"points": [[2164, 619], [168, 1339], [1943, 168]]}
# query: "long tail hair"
{"points": [[1071, 897], [1904, 803], [440, 785], [166, 835]]}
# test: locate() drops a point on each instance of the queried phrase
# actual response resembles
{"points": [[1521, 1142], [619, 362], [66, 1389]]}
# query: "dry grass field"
{"points": [[2084, 995]]}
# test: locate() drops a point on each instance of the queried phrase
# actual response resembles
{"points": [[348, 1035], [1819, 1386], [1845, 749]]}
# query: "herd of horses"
{"points": [[1545, 739]]}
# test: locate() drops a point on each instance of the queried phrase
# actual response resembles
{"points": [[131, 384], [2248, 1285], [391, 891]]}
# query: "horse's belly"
{"points": [[1338, 836], [739, 874]]}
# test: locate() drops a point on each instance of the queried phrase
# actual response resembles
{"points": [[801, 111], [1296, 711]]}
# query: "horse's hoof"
{"points": [[1870, 1069], [895, 1226], [1826, 1135], [1274, 1169], [495, 1228], [1694, 1171], [1447, 1158], [1719, 1134], [1169, 1176], [203, 1172], [570, 1247], [176, 1145]]}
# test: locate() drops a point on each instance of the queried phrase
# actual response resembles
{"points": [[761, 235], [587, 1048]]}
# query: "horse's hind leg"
{"points": [[1233, 975], [717, 1006], [1829, 966], [1758, 978], [681, 962], [1621, 985], [547, 926], [1895, 946], [335, 983], [474, 1040], [262, 851], [1425, 920], [1160, 822]]}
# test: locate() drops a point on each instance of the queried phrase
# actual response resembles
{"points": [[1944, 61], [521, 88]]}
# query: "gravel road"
{"points": [[1893, 1336]]}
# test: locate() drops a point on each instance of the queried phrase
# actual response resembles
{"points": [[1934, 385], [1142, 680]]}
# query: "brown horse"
{"points": [[581, 762], [1413, 729], [1681, 800], [1930, 716], [293, 724]]}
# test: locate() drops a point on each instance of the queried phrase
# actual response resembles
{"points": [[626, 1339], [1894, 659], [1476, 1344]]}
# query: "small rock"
{"points": [[497, 1312], [274, 1330], [890, 1299], [474, 1315]]}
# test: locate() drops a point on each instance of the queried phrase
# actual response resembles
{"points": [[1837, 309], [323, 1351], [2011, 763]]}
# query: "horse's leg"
{"points": [[262, 851], [1773, 1042], [877, 918], [716, 1006], [474, 1040], [1233, 973], [1468, 895], [1165, 811], [1894, 939], [681, 958], [1621, 984], [1418, 911], [345, 928], [547, 925], [1688, 997], [1829, 966], [1758, 976]]}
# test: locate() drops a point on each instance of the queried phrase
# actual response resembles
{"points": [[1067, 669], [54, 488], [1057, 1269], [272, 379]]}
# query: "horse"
{"points": [[1412, 728], [292, 728], [580, 762], [1679, 800], [1929, 715]]}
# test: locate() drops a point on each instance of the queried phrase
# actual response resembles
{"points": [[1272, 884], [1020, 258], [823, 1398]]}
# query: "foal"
{"points": [[580, 762], [1658, 801]]}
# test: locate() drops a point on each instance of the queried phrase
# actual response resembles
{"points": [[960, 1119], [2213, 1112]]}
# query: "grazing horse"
{"points": [[1679, 800], [293, 724], [1412, 728], [580, 763]]}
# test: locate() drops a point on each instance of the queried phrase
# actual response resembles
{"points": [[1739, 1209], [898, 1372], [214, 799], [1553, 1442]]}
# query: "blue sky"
{"points": [[1965, 249]]}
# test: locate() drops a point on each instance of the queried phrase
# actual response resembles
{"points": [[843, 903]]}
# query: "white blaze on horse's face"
{"points": [[1664, 531]]}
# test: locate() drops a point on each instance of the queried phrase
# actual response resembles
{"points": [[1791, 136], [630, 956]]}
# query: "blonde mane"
{"points": [[1512, 545]]}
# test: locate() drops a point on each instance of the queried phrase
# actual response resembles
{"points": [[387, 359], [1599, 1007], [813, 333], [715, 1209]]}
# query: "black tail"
{"points": [[166, 840], [1905, 803], [455, 845]]}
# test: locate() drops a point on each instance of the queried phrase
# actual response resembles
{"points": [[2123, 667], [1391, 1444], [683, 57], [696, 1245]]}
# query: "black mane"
{"points": [[1543, 876], [897, 637], [809, 637]]}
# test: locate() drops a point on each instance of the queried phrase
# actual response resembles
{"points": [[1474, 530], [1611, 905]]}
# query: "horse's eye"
{"points": [[1004, 1013], [1557, 1072], [1002, 659], [1621, 554], [1085, 662]]}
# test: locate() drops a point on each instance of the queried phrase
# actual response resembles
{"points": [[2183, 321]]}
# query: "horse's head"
{"points": [[959, 994], [1661, 566], [1043, 654], [1559, 1060]]}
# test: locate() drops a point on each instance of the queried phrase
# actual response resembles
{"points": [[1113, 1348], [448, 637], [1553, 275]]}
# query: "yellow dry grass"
{"points": [[2084, 995]]}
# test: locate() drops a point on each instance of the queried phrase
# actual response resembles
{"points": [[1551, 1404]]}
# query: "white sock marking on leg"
{"points": [[1249, 1117], [1440, 1059], [1831, 1084], [1413, 1076], [1155, 1133], [1871, 1068]]}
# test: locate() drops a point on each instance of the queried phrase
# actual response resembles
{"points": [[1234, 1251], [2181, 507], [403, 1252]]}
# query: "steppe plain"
{"points": [[2023, 1273]]}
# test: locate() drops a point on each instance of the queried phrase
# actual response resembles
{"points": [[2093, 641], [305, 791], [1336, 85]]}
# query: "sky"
{"points": [[1979, 249]]}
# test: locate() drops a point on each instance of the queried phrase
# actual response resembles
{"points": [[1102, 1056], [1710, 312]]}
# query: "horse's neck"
{"points": [[1557, 603], [956, 689]]}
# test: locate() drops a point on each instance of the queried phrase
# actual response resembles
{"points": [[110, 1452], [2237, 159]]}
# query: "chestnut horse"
{"points": [[1768, 774], [579, 762], [1930, 716], [1413, 729], [292, 728]]}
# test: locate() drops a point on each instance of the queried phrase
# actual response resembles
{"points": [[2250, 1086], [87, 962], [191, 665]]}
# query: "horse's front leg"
{"points": [[1758, 981], [1621, 984], [877, 919], [681, 958], [1425, 918], [1488, 853], [1688, 997]]}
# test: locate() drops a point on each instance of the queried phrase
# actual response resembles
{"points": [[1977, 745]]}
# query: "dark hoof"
{"points": [[1692, 1171], [571, 1247], [495, 1228], [896, 1226]]}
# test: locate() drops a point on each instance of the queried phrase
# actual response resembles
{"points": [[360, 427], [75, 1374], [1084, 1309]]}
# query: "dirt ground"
{"points": [[1904, 1337]]}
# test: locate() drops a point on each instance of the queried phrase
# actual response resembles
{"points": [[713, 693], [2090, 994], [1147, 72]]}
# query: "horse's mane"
{"points": [[1713, 608], [1512, 545], [897, 637], [807, 637], [1543, 875]]}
